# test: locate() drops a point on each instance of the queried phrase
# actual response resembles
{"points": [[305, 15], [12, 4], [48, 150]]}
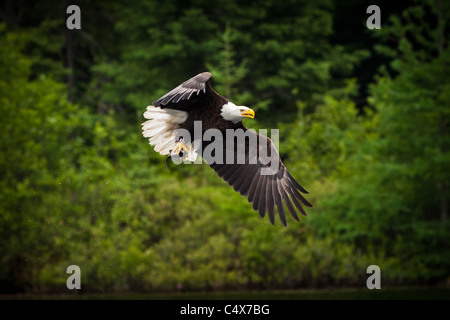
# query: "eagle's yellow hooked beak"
{"points": [[248, 113]]}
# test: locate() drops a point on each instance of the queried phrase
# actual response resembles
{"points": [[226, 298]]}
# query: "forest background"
{"points": [[363, 116]]}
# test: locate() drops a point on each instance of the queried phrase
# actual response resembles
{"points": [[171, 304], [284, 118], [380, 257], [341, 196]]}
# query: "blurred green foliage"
{"points": [[79, 184]]}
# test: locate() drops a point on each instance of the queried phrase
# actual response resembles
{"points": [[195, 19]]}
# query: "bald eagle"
{"points": [[195, 102]]}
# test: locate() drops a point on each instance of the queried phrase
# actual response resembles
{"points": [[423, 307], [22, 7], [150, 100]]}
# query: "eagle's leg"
{"points": [[181, 149]]}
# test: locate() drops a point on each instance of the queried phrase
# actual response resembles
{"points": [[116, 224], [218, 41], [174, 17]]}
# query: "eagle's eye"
{"points": [[241, 110]]}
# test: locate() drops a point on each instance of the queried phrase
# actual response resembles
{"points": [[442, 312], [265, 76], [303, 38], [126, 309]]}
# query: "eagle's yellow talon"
{"points": [[176, 149], [181, 147]]}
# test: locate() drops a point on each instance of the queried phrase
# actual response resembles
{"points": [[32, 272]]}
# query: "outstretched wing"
{"points": [[196, 92], [266, 183]]}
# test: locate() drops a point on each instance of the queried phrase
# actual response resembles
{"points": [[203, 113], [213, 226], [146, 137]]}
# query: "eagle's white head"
{"points": [[234, 113]]}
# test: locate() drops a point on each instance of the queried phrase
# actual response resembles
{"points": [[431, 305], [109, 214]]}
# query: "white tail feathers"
{"points": [[168, 115], [160, 129]]}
